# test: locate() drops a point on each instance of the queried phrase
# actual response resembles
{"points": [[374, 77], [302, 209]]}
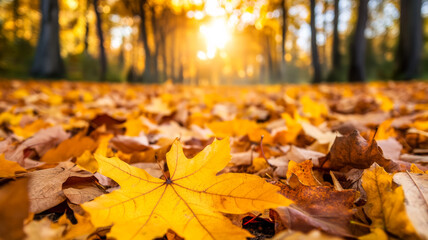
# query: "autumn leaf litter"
{"points": [[89, 161]]}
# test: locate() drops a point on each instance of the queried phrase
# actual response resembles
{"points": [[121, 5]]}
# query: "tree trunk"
{"points": [[357, 71], [86, 37], [15, 13], [103, 58], [284, 30], [143, 32], [156, 43], [47, 61], [336, 65], [336, 41], [314, 47], [163, 55], [172, 51], [410, 39], [269, 58]]}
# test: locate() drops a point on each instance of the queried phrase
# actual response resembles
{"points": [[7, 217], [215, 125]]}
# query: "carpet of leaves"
{"points": [[352, 158]]}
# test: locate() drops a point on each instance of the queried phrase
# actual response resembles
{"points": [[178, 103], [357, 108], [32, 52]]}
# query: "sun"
{"points": [[216, 34]]}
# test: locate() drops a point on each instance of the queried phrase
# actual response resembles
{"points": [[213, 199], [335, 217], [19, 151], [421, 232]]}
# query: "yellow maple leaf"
{"points": [[8, 168], [385, 205], [188, 202]]}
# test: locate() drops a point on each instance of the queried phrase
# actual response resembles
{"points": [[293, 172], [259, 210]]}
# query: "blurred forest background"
{"points": [[214, 41]]}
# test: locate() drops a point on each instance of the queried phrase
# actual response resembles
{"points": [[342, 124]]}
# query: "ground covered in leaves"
{"points": [[97, 161]]}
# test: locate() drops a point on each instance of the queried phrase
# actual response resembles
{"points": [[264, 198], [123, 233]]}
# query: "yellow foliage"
{"points": [[303, 171], [376, 234], [134, 127], [415, 169], [188, 202], [259, 164], [73, 147], [293, 128], [87, 162], [385, 130], [9, 168], [315, 110], [385, 205], [30, 129], [12, 119], [239, 128], [386, 104]]}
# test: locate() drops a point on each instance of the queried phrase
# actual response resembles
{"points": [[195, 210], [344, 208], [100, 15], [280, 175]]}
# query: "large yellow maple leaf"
{"points": [[188, 202]]}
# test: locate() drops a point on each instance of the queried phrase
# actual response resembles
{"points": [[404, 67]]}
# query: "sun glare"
{"points": [[216, 35]]}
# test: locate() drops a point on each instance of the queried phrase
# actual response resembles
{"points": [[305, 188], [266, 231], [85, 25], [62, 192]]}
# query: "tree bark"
{"points": [[269, 58], [15, 13], [284, 30], [103, 57], [410, 39], [156, 43], [336, 41], [336, 65], [47, 61], [314, 48], [86, 37], [357, 71], [143, 32]]}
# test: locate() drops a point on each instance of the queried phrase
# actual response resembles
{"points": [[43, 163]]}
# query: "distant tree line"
{"points": [[164, 42]]}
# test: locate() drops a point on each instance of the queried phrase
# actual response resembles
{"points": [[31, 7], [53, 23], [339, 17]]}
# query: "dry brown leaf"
{"points": [[45, 186], [319, 207]]}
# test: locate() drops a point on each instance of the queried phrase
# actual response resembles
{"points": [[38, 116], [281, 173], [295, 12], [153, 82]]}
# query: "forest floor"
{"points": [[90, 161]]}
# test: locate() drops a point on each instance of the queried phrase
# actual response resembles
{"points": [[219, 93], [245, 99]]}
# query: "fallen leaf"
{"points": [[415, 187], [73, 147], [45, 186], [391, 148], [41, 142], [385, 205], [317, 207], [303, 171], [13, 209], [130, 144], [79, 190], [9, 168], [188, 202], [353, 151]]}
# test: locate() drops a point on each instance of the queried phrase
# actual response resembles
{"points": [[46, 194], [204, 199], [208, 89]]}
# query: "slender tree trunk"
{"points": [[410, 39], [284, 30], [357, 71], [47, 61], [15, 9], [269, 58], [336, 64], [172, 56], [156, 43], [103, 57], [163, 53], [86, 37], [314, 48], [336, 41], [143, 31]]}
